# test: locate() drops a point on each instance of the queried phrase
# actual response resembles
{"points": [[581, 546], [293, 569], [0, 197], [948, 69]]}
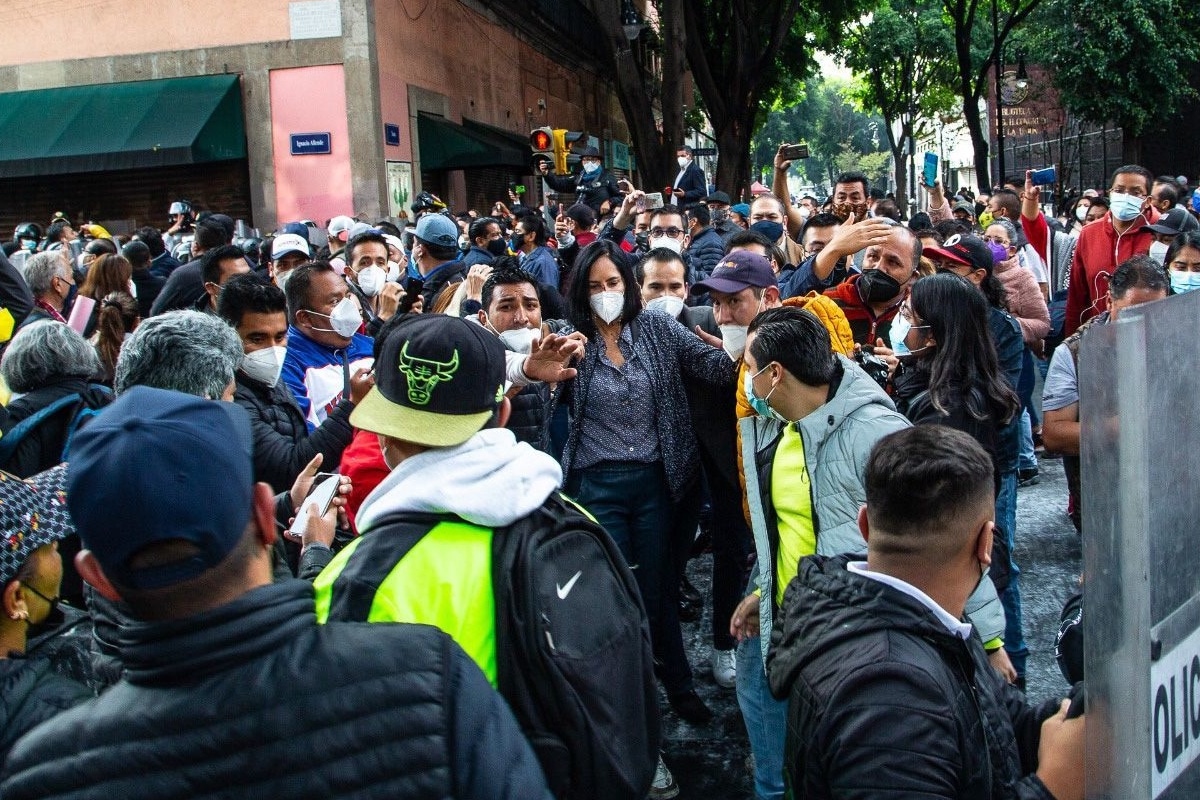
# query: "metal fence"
{"points": [[1085, 155]]}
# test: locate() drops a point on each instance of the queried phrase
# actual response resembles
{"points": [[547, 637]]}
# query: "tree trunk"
{"points": [[674, 35], [900, 168], [655, 157], [733, 164], [979, 143], [1131, 148]]}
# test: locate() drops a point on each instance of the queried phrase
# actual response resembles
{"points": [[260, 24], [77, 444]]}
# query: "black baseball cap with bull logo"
{"points": [[438, 380]]}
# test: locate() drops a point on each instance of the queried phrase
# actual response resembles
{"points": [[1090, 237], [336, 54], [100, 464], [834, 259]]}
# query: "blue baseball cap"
{"points": [[740, 269], [437, 229], [297, 228], [156, 466]]}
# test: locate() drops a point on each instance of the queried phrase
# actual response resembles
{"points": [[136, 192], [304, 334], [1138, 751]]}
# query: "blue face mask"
{"points": [[769, 229], [1184, 281], [899, 332], [1124, 207], [761, 405]]}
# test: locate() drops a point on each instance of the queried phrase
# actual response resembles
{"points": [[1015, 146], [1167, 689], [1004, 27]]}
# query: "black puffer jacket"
{"points": [[530, 417], [884, 700], [282, 444], [707, 249], [255, 700], [31, 692]]}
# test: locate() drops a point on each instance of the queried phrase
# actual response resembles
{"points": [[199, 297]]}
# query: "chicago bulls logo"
{"points": [[424, 374]]}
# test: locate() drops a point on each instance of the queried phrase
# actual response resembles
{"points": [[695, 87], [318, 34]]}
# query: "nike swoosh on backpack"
{"points": [[563, 591]]}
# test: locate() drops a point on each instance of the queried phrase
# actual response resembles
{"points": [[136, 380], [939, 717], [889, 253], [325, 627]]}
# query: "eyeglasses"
{"points": [[996, 240], [673, 232]]}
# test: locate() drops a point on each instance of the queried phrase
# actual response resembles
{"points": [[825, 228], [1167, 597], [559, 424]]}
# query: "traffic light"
{"points": [[554, 143], [541, 141], [561, 151]]}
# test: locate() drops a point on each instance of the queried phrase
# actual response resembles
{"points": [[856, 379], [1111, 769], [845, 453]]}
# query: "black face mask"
{"points": [[643, 240], [497, 247], [876, 286]]}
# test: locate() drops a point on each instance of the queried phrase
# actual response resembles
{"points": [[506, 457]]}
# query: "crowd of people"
{"points": [[520, 427]]}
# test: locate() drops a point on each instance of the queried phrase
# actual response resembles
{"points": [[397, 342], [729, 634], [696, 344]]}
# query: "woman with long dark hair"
{"points": [[955, 379], [631, 453]]}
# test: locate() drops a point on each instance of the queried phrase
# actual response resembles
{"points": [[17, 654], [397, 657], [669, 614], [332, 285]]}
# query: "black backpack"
{"points": [[573, 653], [83, 412]]}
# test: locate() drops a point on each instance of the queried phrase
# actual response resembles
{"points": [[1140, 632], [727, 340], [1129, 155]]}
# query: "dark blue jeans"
{"points": [[632, 502]]}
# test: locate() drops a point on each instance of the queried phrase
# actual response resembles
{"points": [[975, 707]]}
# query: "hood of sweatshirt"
{"points": [[491, 480]]}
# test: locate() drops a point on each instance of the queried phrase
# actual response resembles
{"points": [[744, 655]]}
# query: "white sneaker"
{"points": [[664, 785], [724, 668]]}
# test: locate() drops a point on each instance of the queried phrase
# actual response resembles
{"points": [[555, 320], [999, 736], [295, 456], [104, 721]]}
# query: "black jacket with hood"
{"points": [[884, 700]]}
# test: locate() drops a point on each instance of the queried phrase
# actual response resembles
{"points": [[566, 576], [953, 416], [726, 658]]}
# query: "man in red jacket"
{"points": [[1117, 237]]}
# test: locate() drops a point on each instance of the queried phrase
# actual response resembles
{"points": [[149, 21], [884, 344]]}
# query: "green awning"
{"points": [[448, 145], [121, 126]]}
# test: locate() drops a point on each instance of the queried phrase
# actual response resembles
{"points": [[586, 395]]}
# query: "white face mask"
{"points": [[1158, 251], [370, 280], [733, 340], [281, 279], [608, 305], [1081, 213], [393, 272], [264, 365], [668, 304], [344, 320], [674, 245], [520, 340], [683, 161]]}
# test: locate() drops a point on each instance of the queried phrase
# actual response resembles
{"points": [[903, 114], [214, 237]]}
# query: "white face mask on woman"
{"points": [[608, 305]]}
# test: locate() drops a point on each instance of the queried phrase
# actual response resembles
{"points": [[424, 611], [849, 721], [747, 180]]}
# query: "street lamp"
{"points": [[998, 64], [630, 22]]}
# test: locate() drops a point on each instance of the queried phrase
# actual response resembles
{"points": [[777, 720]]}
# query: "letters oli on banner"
{"points": [[1174, 712]]}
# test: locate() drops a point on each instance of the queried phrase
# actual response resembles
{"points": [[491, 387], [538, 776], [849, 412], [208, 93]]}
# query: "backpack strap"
{"points": [[11, 440], [388, 541], [83, 415]]}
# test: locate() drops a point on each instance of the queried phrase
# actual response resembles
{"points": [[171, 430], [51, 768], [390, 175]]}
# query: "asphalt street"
{"points": [[710, 762]]}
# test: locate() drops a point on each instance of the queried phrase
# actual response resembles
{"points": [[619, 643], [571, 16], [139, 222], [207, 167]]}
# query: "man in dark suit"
{"points": [[664, 288], [689, 184]]}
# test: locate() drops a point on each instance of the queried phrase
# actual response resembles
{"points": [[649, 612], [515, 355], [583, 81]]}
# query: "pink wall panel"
{"points": [[308, 100]]}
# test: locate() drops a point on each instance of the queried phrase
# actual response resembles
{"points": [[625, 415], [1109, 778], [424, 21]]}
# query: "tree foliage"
{"points": [[748, 56], [1130, 63], [836, 129], [904, 55], [981, 30]]}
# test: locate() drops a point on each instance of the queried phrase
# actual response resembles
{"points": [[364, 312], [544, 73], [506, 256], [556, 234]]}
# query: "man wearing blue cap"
{"points": [[231, 687], [435, 260]]}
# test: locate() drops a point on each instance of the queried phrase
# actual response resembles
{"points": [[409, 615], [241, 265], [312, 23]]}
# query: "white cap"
{"points": [[339, 228], [286, 243], [393, 241]]}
